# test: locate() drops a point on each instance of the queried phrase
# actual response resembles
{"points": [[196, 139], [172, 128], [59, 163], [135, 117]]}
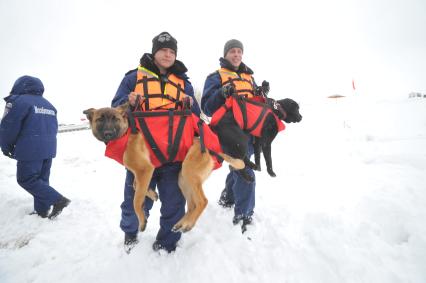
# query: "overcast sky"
{"points": [[307, 49]]}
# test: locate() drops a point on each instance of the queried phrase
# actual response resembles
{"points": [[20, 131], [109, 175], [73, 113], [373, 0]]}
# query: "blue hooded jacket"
{"points": [[29, 125]]}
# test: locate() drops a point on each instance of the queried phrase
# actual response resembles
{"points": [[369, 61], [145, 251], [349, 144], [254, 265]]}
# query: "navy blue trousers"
{"points": [[172, 209], [33, 176], [241, 192]]}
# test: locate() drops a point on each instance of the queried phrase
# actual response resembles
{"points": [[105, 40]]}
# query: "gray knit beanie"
{"points": [[233, 43]]}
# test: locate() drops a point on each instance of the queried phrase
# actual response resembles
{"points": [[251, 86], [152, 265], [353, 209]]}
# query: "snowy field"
{"points": [[348, 205]]}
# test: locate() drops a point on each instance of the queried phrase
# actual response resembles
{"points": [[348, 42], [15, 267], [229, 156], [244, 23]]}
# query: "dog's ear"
{"points": [[122, 109], [288, 104], [89, 113]]}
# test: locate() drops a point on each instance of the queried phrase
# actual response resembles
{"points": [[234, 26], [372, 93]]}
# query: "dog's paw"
{"points": [[152, 194], [142, 226], [254, 166], [181, 228], [271, 173], [250, 164]]}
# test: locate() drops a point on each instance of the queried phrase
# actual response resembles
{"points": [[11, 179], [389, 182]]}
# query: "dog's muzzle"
{"points": [[109, 135]]}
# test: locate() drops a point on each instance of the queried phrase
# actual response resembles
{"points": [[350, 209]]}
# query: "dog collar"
{"points": [[278, 108]]}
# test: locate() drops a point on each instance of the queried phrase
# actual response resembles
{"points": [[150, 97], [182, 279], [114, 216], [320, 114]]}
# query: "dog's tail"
{"points": [[234, 162]]}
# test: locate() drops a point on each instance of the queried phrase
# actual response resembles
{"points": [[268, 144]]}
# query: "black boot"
{"points": [[58, 207], [130, 241], [224, 199], [247, 220], [156, 246], [237, 219], [41, 214]]}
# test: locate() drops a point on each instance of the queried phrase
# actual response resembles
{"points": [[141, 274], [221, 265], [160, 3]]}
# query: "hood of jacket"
{"points": [[27, 85]]}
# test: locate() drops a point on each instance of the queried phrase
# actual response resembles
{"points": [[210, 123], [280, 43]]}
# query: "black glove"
{"points": [[228, 90], [265, 87]]}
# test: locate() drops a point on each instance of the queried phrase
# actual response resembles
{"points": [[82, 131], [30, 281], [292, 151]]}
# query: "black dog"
{"points": [[234, 140], [287, 110]]}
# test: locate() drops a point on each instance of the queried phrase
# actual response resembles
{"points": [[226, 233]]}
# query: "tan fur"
{"points": [[196, 168]]}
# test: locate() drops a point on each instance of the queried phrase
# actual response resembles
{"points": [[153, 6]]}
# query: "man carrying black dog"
{"points": [[234, 77]]}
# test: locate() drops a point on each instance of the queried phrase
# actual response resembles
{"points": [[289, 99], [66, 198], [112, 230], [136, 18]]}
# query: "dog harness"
{"points": [[159, 92], [249, 111], [242, 83], [250, 114], [168, 134]]}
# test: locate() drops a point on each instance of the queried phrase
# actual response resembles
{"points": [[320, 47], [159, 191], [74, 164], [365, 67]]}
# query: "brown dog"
{"points": [[111, 123]]}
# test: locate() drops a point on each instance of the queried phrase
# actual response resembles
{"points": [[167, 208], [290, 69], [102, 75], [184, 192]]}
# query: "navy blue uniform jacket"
{"points": [[29, 125]]}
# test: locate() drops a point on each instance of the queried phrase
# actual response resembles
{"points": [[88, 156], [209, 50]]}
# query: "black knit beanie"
{"points": [[163, 40]]}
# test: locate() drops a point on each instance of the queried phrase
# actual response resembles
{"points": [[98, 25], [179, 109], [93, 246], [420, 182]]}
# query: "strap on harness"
{"points": [[145, 80], [241, 103], [151, 141], [131, 120], [170, 133], [173, 149], [173, 145], [218, 157], [202, 143], [161, 113], [137, 106], [259, 118], [201, 131]]}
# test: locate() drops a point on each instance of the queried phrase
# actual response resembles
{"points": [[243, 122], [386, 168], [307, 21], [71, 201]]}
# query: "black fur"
{"points": [[289, 113], [234, 140]]}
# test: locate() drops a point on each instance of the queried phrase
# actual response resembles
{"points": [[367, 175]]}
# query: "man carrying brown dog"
{"points": [[162, 81]]}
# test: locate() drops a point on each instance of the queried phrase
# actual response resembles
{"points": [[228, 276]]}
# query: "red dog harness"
{"points": [[168, 135], [250, 114]]}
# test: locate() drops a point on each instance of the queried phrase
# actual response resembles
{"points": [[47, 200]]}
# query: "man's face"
{"points": [[165, 58], [234, 56]]}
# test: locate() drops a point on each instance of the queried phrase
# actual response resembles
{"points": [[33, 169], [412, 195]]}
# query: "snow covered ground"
{"points": [[348, 205]]}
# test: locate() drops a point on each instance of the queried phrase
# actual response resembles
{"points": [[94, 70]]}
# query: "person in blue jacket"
{"points": [[162, 67], [28, 134], [233, 76]]}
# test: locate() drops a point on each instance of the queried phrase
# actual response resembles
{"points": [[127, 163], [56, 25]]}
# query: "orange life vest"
{"points": [[243, 83], [149, 86]]}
